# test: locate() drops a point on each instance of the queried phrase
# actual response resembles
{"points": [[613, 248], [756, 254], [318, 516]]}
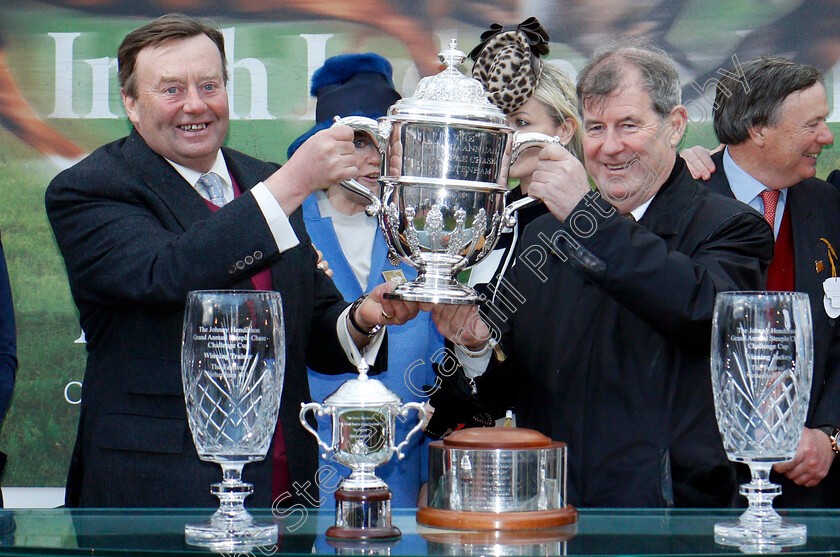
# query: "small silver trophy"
{"points": [[762, 362], [363, 412], [446, 153]]}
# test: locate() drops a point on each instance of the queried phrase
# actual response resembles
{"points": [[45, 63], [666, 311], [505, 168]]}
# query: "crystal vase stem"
{"points": [[760, 493], [232, 493]]}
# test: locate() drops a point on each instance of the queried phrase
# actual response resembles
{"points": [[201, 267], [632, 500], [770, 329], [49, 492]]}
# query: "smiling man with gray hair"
{"points": [[605, 325]]}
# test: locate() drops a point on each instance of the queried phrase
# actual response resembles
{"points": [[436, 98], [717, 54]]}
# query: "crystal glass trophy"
{"points": [[232, 364], [762, 362]]}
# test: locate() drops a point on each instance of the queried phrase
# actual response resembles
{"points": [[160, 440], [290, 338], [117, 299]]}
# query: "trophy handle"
{"points": [[523, 141], [372, 128], [314, 406], [403, 411], [509, 215]]}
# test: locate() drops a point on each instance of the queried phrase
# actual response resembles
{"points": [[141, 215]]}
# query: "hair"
{"points": [[556, 91], [607, 70], [750, 95], [166, 28]]}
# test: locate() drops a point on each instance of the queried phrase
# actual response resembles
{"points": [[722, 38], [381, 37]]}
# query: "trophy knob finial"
{"points": [[363, 368], [452, 57]]}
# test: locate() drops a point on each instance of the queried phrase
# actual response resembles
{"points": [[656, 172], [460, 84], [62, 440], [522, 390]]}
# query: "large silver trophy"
{"points": [[232, 366], [762, 362], [363, 412], [446, 153]]}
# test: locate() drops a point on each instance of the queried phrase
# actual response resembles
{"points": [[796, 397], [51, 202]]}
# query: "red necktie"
{"points": [[771, 199]]}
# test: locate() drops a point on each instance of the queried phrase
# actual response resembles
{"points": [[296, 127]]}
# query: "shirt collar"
{"points": [[639, 211], [192, 176], [744, 187]]}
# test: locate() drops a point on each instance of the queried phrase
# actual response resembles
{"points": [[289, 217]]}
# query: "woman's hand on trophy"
{"points": [[560, 181], [322, 263], [378, 310]]}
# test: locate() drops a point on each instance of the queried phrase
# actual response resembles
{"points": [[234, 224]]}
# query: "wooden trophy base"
{"points": [[514, 520], [344, 533], [363, 515]]}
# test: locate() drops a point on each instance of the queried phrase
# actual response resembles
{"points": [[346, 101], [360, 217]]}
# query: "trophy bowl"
{"points": [[440, 229], [446, 154]]}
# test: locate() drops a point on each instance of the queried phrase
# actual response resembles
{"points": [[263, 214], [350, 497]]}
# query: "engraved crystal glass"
{"points": [[232, 364], [762, 362]]}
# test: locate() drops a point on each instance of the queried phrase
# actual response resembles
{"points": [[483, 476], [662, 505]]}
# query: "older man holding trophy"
{"points": [[601, 338]]}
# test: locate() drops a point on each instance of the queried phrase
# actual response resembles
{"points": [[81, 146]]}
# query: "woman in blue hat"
{"points": [[362, 84]]}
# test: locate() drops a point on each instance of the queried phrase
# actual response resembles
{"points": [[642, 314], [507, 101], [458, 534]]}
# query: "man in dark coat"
{"points": [[604, 327], [773, 131], [165, 210]]}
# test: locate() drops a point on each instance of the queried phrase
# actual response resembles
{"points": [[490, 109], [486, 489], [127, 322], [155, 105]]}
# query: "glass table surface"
{"points": [[599, 531]]}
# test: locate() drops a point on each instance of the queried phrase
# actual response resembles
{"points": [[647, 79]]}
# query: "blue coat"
{"points": [[410, 350]]}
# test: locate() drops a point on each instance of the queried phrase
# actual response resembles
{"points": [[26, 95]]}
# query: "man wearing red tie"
{"points": [[771, 117]]}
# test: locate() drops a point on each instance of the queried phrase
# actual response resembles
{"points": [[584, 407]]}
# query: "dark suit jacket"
{"points": [[8, 341], [814, 208], [608, 346], [135, 238], [834, 178]]}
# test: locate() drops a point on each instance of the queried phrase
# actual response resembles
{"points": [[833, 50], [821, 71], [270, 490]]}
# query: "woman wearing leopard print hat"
{"points": [[537, 97]]}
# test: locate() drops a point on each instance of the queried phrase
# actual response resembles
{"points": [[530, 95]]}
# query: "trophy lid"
{"points": [[449, 94], [498, 438], [363, 392]]}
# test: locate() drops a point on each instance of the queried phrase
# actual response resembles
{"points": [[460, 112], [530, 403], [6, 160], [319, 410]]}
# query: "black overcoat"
{"points": [[607, 339]]}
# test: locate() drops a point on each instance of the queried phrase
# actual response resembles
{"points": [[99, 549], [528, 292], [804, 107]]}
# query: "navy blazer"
{"points": [[814, 208], [136, 238]]}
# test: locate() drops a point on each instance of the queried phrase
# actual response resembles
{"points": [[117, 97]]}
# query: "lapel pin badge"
{"points": [[396, 276], [831, 285]]}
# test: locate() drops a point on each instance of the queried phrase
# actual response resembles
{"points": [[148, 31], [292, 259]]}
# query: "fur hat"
{"points": [[350, 85], [508, 64]]}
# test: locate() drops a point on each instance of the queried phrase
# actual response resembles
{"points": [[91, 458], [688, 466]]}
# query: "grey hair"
{"points": [[605, 74], [750, 95]]}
